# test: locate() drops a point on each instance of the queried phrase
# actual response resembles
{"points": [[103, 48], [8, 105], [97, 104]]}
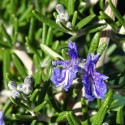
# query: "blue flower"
{"points": [[93, 81], [1, 118], [63, 77]]}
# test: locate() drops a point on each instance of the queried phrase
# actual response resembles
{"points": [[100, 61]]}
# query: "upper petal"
{"points": [[72, 50], [91, 62]]}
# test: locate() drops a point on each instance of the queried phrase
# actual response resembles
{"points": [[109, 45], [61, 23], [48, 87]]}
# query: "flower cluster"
{"points": [[25, 88], [62, 16], [93, 81]]}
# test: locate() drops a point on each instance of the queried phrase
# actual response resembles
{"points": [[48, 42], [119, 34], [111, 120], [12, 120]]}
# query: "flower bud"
{"points": [[15, 94], [27, 89], [20, 88], [28, 80], [68, 25], [62, 18], [60, 9], [12, 85]]}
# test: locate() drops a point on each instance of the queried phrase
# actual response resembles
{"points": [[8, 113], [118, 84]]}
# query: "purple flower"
{"points": [[64, 76], [1, 118], [93, 81]]}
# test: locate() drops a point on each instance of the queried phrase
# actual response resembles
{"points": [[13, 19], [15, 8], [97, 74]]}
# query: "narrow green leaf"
{"points": [[94, 28], [111, 49], [118, 38], [101, 4], [26, 14], [38, 34], [55, 45], [43, 92], [15, 30], [84, 107], [38, 77], [13, 5], [71, 7], [77, 90], [94, 43], [101, 48], [98, 103], [5, 34], [34, 122], [50, 52], [39, 107], [49, 36], [69, 119], [116, 12], [6, 106], [84, 21], [46, 62], [120, 116], [74, 18], [74, 119], [69, 31], [52, 100], [85, 122], [118, 100], [6, 66], [23, 117], [31, 29], [59, 117], [99, 117], [92, 10], [48, 22], [34, 94], [22, 8], [64, 2], [109, 21], [31, 47], [20, 67], [55, 15], [44, 33], [5, 45], [37, 60], [17, 102]]}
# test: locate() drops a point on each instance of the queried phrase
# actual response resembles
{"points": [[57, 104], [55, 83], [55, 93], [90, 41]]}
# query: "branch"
{"points": [[105, 33]]}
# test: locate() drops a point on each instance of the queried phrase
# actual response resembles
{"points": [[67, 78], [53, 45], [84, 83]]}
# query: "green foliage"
{"points": [[30, 28]]}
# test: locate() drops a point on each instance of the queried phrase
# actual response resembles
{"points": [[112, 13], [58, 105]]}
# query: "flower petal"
{"points": [[91, 61], [100, 86], [63, 77], [1, 118], [71, 74], [62, 63], [58, 76], [87, 84], [93, 81], [72, 50]]}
